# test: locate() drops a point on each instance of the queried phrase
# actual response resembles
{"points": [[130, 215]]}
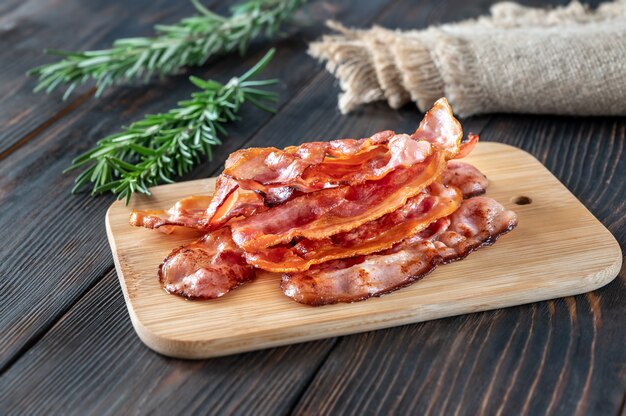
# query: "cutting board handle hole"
{"points": [[521, 200]]}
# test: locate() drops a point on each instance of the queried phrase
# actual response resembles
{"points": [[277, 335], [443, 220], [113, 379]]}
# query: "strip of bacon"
{"points": [[466, 177], [192, 212], [478, 222], [280, 175], [320, 165], [188, 212], [418, 213], [321, 214], [265, 169], [440, 126], [207, 268], [225, 194], [466, 147], [272, 166]]}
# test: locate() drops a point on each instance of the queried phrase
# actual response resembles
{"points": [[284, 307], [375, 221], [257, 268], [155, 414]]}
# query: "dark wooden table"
{"points": [[66, 341]]}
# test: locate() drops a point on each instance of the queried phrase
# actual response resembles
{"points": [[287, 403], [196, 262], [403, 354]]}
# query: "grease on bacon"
{"points": [[466, 177], [478, 222], [345, 220], [323, 213], [207, 268], [282, 174], [418, 213]]}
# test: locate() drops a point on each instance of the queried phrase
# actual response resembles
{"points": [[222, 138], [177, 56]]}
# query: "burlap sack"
{"points": [[568, 60]]}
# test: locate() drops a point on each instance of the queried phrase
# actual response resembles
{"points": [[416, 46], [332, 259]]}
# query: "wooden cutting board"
{"points": [[558, 249]]}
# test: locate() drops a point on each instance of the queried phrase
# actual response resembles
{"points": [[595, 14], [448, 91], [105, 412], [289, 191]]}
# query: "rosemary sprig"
{"points": [[160, 146], [190, 42]]}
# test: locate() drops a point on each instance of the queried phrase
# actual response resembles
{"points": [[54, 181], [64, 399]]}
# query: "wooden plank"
{"points": [[556, 357], [511, 273], [84, 253], [29, 27], [119, 375], [73, 370], [546, 358], [62, 236]]}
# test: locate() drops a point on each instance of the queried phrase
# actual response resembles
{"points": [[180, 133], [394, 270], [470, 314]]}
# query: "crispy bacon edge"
{"points": [[321, 214], [207, 268], [417, 214], [282, 174], [429, 247]]}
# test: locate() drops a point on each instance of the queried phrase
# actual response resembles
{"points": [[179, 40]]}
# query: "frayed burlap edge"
{"points": [[380, 64]]}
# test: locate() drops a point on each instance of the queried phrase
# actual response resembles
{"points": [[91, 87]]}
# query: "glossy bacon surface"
{"points": [[478, 222], [205, 269], [257, 167], [320, 165], [440, 126], [192, 212], [466, 177], [265, 169], [417, 214], [330, 211], [344, 220], [189, 212]]}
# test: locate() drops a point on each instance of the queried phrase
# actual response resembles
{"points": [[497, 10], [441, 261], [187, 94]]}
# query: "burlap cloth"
{"points": [[568, 60]]}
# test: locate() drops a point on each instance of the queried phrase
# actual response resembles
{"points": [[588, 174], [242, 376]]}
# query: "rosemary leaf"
{"points": [[154, 150], [190, 42]]}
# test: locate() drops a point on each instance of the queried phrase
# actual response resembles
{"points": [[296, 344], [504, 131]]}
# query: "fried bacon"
{"points": [[263, 170], [466, 177], [321, 214], [207, 268], [417, 214], [343, 220], [189, 212], [225, 194], [440, 126], [466, 147], [278, 174], [478, 222], [272, 166], [192, 212]]}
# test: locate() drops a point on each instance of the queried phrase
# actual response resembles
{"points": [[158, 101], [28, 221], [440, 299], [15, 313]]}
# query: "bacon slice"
{"points": [[466, 177], [440, 126], [207, 268], [188, 212], [320, 165], [478, 222], [330, 211], [466, 147], [193, 212], [417, 214], [281, 175], [265, 169], [225, 188], [271, 166]]}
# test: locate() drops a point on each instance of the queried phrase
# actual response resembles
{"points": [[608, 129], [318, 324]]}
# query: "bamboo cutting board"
{"points": [[558, 249]]}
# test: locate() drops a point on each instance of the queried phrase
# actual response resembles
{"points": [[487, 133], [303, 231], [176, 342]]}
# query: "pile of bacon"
{"points": [[342, 220]]}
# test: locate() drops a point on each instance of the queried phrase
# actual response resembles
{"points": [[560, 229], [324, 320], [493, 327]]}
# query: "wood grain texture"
{"points": [[85, 365], [558, 357], [29, 27], [55, 251], [71, 256], [541, 259]]}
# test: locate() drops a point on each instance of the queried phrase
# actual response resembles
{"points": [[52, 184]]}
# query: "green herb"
{"points": [[188, 43], [160, 146]]}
